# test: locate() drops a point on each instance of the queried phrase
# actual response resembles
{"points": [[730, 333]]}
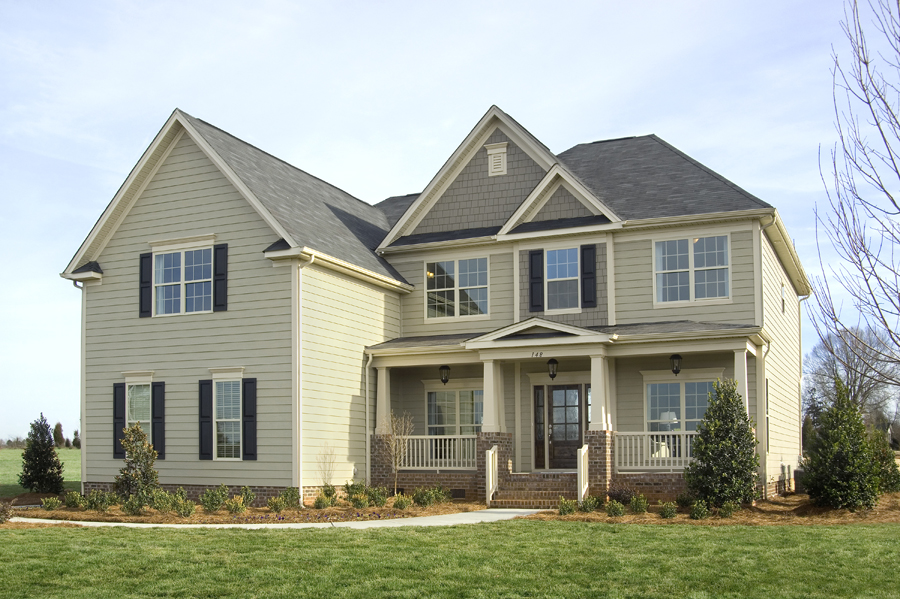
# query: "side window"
{"points": [[456, 288], [184, 281], [228, 417], [227, 400]]}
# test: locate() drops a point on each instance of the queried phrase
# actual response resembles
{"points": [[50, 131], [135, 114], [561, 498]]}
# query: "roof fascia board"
{"points": [[472, 241], [688, 335], [82, 276], [560, 232], [679, 345], [336, 264], [674, 221], [460, 158], [543, 342], [382, 358], [787, 253], [534, 321]]}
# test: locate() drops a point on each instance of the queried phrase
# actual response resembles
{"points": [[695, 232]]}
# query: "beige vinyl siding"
{"points": [[500, 299], [189, 196], [634, 285], [340, 316], [408, 391], [782, 363]]}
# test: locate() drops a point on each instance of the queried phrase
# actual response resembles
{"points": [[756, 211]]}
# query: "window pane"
{"points": [[440, 275], [442, 413], [711, 283], [562, 264], [696, 400], [471, 411], [168, 268], [664, 402], [168, 299], [672, 255], [473, 301], [711, 251], [198, 265], [228, 400], [198, 296], [562, 294], [228, 439], [138, 404], [441, 303], [473, 273], [673, 287]]}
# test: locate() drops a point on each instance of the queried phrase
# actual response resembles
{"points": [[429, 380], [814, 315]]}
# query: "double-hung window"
{"points": [[679, 403], [456, 288], [455, 412], [227, 411], [691, 269], [562, 279], [137, 406], [182, 281]]}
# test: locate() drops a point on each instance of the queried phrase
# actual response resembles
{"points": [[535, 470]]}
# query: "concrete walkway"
{"points": [[476, 517]]}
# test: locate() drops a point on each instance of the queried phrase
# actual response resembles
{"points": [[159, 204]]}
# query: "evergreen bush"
{"points": [[51, 503], [99, 501], [247, 496], [685, 500], [638, 504], [212, 499], [134, 505], [839, 469], [74, 499], [567, 506], [589, 504], [667, 510], [235, 505], [359, 501], [5, 511], [276, 504], [615, 509], [291, 497], [728, 509], [621, 493], [322, 502], [42, 471], [401, 501], [138, 476], [725, 462], [184, 507], [699, 510], [883, 456], [377, 496]]}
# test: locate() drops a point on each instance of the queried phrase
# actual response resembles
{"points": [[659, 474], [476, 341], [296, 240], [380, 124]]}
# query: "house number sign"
{"points": [[537, 354]]}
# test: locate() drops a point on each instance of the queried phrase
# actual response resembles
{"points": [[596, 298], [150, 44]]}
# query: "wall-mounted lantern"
{"points": [[676, 363], [445, 373], [552, 365]]}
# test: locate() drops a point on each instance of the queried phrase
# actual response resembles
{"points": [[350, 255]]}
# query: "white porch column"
{"points": [[493, 398], [599, 393], [740, 375], [383, 401]]}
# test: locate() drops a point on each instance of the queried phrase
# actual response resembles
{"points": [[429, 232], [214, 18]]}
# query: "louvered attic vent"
{"points": [[496, 159]]}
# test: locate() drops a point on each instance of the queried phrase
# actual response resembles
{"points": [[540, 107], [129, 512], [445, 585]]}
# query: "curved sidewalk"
{"points": [[476, 517]]}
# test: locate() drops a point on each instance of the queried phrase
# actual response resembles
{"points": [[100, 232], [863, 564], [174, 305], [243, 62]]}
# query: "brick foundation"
{"points": [[193, 491], [654, 485]]}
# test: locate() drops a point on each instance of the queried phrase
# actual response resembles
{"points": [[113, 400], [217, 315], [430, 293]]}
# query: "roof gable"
{"points": [[532, 328]]}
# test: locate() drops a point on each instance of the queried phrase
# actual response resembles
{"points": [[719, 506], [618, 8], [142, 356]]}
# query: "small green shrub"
{"points": [[138, 476], [442, 495], [162, 501], [729, 508], [359, 501], [567, 506], [423, 497], [291, 497], [212, 500], [247, 496], [589, 504], [638, 504], [235, 505], [51, 503], [352, 488], [377, 496], [134, 505], [100, 501], [276, 504], [621, 493], [322, 502], [184, 507], [685, 499], [699, 510], [180, 494], [42, 472], [401, 502], [74, 499], [329, 491], [667, 510], [886, 464], [614, 509], [5, 512]]}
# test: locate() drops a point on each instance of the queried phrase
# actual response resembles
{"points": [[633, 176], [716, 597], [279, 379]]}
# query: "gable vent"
{"points": [[496, 159]]}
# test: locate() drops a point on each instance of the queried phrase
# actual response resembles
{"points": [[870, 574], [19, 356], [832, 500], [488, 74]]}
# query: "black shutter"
{"points": [[158, 419], [206, 424], [536, 281], [145, 302], [118, 420], [220, 277], [589, 276], [249, 419]]}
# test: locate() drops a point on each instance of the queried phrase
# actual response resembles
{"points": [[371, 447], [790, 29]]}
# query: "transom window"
{"points": [[227, 409], [137, 409], [183, 281], [677, 406], [562, 279], [448, 280], [691, 269], [455, 412]]}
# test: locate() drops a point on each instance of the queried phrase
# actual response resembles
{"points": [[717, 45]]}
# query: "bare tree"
{"points": [[326, 459], [863, 219], [399, 429]]}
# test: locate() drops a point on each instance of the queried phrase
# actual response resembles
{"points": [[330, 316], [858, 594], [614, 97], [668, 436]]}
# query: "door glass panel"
{"points": [[559, 397], [539, 461]]}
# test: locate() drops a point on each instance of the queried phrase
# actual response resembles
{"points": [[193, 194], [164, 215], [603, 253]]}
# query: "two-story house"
{"points": [[552, 323]]}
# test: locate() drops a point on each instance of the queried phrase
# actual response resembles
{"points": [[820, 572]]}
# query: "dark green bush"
{"points": [[883, 456], [247, 496], [291, 497], [162, 501], [638, 504], [589, 504], [699, 510], [685, 500], [621, 493], [352, 488], [134, 505], [42, 472], [184, 507], [377, 496], [180, 493], [359, 501], [235, 505], [567, 506], [212, 499], [728, 509], [839, 469], [401, 501], [615, 509], [74, 499], [323, 502], [276, 504], [138, 476], [5, 512], [667, 510], [329, 491], [51, 503], [725, 462], [100, 501]]}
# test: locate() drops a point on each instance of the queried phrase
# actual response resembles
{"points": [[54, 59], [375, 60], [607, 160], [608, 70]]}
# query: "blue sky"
{"points": [[373, 97]]}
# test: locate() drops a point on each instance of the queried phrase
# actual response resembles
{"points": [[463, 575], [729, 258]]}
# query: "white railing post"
{"points": [[582, 472], [653, 450], [490, 474], [440, 452]]}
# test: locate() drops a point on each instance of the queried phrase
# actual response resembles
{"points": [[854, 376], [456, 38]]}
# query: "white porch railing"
{"points": [[490, 474], [582, 473], [653, 450], [433, 452]]}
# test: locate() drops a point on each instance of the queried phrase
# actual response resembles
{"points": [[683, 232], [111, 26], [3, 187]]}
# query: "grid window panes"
{"points": [[138, 408], [471, 412], [228, 419], [456, 288], [473, 281], [565, 418], [562, 279], [691, 269], [455, 412], [711, 267], [672, 271], [677, 406], [186, 275], [696, 400], [441, 283]]}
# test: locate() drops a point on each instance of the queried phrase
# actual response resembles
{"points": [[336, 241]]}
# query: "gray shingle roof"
{"points": [[394, 207], [645, 177], [316, 214]]}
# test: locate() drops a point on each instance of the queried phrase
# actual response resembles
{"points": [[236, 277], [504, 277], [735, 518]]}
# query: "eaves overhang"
{"points": [[311, 256]]}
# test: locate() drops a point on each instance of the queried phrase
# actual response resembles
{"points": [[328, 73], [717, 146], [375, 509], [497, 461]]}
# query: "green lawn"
{"points": [[507, 559], [11, 468]]}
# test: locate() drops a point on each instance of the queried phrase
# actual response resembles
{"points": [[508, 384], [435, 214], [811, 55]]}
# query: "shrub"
{"points": [[138, 476], [51, 503], [729, 508], [276, 504], [100, 501], [883, 456], [401, 502], [162, 501], [74, 499], [668, 510], [377, 496], [442, 495], [247, 495], [614, 509], [5, 512], [725, 462], [291, 497], [352, 488], [685, 500], [589, 504], [359, 501], [567, 506], [639, 504], [329, 491], [42, 471], [180, 494], [423, 497], [134, 505], [839, 471], [212, 500], [322, 502], [184, 507], [235, 505], [621, 493], [699, 510]]}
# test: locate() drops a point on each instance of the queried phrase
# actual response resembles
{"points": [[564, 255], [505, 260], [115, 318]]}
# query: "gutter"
{"points": [[341, 266], [368, 421]]}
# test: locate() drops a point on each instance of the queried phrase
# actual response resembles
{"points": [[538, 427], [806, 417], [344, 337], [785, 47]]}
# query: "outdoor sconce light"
{"points": [[676, 363], [552, 364], [445, 373]]}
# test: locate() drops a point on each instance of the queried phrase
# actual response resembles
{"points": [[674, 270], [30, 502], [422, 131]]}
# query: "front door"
{"points": [[564, 425]]}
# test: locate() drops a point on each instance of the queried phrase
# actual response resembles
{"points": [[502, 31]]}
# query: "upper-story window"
{"points": [[562, 279], [183, 281], [456, 288], [691, 269]]}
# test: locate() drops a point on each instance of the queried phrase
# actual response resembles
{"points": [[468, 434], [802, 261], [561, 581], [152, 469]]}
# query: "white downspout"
{"points": [[368, 422]]}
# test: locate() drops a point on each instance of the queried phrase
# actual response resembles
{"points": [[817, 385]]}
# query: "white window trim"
{"points": [[702, 375], [197, 243], [222, 375], [455, 385], [493, 150], [691, 271], [456, 289], [576, 310]]}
